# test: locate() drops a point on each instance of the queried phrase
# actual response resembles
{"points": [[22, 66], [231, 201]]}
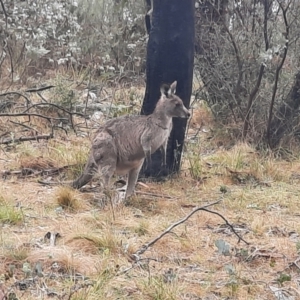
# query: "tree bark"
{"points": [[170, 57]]}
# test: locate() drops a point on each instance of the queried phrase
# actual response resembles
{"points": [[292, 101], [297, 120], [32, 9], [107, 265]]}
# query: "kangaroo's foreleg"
{"points": [[163, 149], [146, 144], [89, 171], [132, 179], [107, 168]]}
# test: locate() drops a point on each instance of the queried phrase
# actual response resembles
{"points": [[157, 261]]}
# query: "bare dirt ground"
{"points": [[92, 257]]}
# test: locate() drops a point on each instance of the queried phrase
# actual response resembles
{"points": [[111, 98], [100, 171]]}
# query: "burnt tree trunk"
{"points": [[283, 118], [170, 57]]}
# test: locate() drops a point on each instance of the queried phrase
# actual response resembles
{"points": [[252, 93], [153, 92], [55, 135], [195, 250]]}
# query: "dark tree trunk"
{"points": [[170, 57], [283, 119], [148, 16]]}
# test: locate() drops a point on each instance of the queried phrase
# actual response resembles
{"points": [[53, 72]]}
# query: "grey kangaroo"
{"points": [[121, 145]]}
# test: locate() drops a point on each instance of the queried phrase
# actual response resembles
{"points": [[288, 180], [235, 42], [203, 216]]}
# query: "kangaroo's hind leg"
{"points": [[102, 158], [105, 158]]}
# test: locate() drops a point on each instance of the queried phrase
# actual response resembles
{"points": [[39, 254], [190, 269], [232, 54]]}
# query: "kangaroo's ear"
{"points": [[172, 89], [164, 90], [167, 90]]}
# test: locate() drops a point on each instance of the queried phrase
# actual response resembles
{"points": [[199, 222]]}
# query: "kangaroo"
{"points": [[122, 144]]}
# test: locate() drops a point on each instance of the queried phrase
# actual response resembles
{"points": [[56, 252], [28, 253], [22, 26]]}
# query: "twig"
{"points": [[168, 230], [75, 288], [78, 287], [4, 134], [35, 90], [251, 100], [228, 224], [3, 54], [56, 106], [32, 115], [87, 95], [27, 138], [155, 195], [21, 54], [17, 93], [41, 96], [28, 172], [295, 263], [5, 153], [5, 13], [23, 125], [12, 70]]}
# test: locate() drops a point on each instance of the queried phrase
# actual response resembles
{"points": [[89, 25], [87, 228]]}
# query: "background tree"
{"points": [[247, 58], [170, 56]]}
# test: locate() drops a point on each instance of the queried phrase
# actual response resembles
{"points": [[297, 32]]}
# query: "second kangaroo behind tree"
{"points": [[121, 145]]}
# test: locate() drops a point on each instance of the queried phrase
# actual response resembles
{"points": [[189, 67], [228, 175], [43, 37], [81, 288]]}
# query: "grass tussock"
{"points": [[68, 199], [162, 287], [64, 261], [37, 163], [69, 154], [16, 254], [142, 228], [10, 214], [241, 164], [107, 242]]}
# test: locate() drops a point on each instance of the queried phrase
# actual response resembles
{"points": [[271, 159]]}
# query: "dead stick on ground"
{"points": [[156, 195], [168, 230], [35, 90], [27, 138]]}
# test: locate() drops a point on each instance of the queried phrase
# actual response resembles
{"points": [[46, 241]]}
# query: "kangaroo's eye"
{"points": [[177, 105]]}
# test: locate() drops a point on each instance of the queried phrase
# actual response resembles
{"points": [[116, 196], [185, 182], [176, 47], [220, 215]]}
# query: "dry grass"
{"points": [[9, 214], [260, 196], [68, 198]]}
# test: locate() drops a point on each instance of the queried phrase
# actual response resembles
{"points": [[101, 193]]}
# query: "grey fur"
{"points": [[121, 144]]}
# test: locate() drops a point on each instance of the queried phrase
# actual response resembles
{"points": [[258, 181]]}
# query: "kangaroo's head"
{"points": [[171, 104]]}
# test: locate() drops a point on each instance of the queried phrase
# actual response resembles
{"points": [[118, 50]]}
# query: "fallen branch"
{"points": [[156, 195], [39, 89], [32, 115], [30, 106], [145, 247], [17, 93], [29, 172], [23, 125], [227, 223], [57, 107], [75, 288], [54, 183], [28, 138], [135, 257]]}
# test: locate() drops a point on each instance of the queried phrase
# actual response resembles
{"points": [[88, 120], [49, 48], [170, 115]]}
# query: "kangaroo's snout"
{"points": [[187, 113]]}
